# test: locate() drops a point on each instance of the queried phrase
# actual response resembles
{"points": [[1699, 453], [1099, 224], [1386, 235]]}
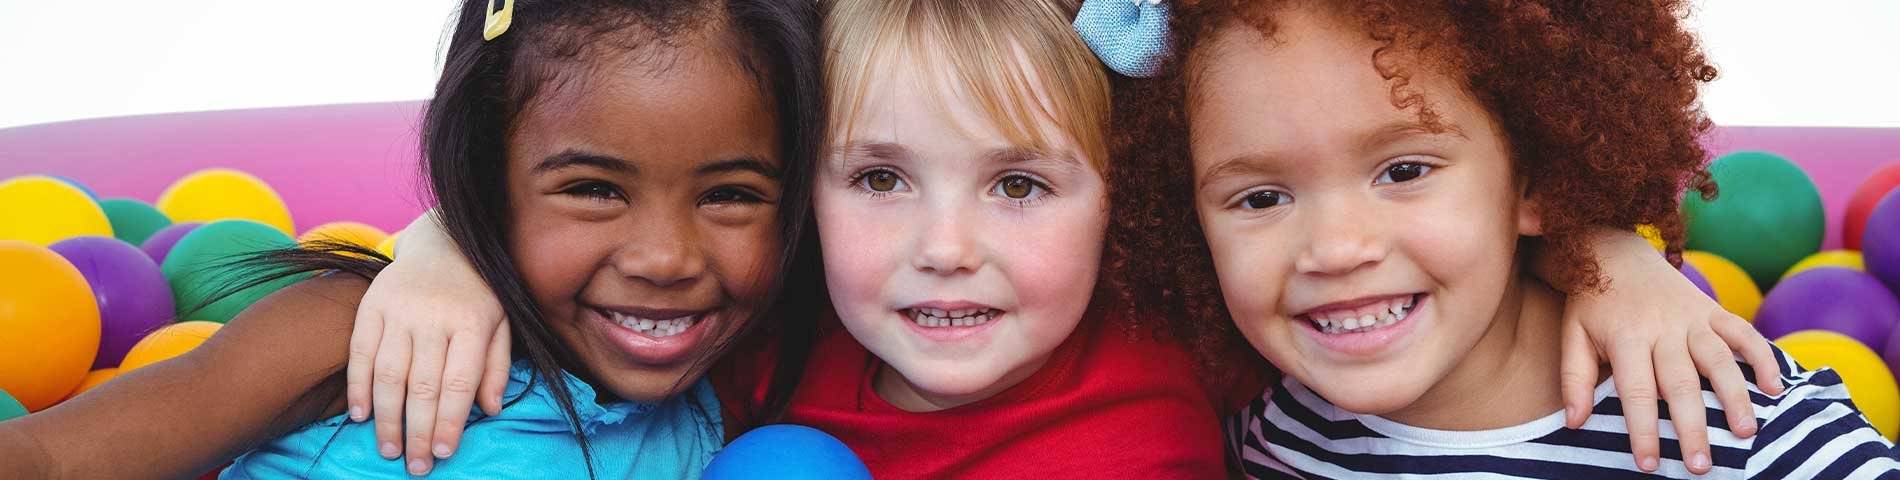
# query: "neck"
{"points": [[1511, 374], [898, 391]]}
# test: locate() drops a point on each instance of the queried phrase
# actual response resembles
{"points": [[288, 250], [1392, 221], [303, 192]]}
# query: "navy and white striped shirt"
{"points": [[1811, 431]]}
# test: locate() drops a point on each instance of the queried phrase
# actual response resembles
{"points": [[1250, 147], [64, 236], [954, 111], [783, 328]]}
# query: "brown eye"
{"points": [[880, 181], [1403, 172], [1265, 199], [1017, 187]]}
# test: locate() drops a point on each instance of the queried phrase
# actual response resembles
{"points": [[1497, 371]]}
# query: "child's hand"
{"points": [[429, 340], [1657, 330]]}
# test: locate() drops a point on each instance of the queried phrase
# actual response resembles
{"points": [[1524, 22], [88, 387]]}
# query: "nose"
{"points": [[1343, 237], [946, 243], [663, 253]]}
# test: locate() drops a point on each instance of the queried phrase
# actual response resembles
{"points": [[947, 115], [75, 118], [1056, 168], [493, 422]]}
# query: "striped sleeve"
{"points": [[1814, 431]]}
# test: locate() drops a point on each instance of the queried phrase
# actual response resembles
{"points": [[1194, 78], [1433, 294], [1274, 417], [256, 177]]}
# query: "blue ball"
{"points": [[786, 452]]}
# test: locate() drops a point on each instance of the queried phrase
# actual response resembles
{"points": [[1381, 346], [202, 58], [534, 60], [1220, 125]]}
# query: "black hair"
{"points": [[487, 84]]}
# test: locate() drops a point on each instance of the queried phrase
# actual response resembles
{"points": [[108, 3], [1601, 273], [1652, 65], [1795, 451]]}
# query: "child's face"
{"points": [[1360, 253], [644, 206], [959, 259]]}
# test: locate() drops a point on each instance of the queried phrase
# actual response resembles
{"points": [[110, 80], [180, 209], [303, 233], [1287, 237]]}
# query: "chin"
{"points": [[949, 379], [1369, 396]]}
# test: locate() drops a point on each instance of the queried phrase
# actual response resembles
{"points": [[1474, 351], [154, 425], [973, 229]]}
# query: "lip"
{"points": [[949, 334], [1353, 303], [1368, 343], [647, 349]]}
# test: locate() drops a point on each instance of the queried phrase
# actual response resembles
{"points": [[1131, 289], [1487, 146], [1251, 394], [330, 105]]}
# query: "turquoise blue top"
{"points": [[671, 439]]}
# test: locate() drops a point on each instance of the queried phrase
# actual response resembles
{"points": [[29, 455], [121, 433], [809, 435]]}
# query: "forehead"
{"points": [[692, 99], [920, 100]]}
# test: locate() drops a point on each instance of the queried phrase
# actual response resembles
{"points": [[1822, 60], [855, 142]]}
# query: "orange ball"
{"points": [[346, 232], [93, 380], [49, 325], [168, 342]]}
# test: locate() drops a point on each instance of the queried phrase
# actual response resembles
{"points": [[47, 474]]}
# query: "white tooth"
{"points": [[1350, 323], [934, 312], [966, 321], [1365, 321], [1325, 323]]}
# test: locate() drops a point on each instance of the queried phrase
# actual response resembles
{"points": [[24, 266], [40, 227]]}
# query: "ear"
{"points": [[1530, 214]]}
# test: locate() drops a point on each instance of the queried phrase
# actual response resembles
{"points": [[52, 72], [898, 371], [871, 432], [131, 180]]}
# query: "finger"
{"points": [[460, 376], [1636, 384], [425, 391], [386, 392], [1682, 389], [365, 336], [1742, 337], [1717, 363], [1578, 375], [495, 375]]}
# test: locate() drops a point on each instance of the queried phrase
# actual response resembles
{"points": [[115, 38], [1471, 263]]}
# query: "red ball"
{"points": [[1854, 222]]}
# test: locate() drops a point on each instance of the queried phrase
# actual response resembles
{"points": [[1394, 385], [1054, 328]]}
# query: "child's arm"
{"points": [[274, 368], [1656, 329], [429, 340]]}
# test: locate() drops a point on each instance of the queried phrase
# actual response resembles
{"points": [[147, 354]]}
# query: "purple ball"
{"points": [[1880, 241], [133, 297], [161, 242], [1701, 282], [1835, 299]]}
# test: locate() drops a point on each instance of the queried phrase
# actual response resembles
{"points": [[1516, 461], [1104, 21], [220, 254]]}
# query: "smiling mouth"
{"points": [[1364, 318], [653, 327], [939, 318]]}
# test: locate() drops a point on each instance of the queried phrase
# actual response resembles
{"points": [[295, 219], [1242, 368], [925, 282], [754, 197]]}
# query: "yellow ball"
{"points": [[49, 324], [168, 342], [1653, 235], [1830, 258], [93, 380], [347, 232], [1868, 381], [223, 194], [388, 247], [1733, 288], [43, 210]]}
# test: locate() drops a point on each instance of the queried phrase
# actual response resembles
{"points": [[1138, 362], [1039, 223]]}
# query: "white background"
{"points": [[1809, 62]]}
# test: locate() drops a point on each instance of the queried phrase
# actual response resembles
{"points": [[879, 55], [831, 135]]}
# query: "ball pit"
{"points": [[1880, 243], [133, 296], [168, 342], [1832, 258], [1868, 380], [10, 408], [49, 324], [1701, 282], [93, 379], [1768, 215], [353, 233], [161, 242], [1841, 300], [1733, 289], [59, 211]]}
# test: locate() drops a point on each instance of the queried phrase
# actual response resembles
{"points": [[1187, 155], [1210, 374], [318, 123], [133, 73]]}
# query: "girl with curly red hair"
{"points": [[1370, 179]]}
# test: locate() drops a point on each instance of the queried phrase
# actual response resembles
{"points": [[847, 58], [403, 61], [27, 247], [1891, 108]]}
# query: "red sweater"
{"points": [[1104, 406]]}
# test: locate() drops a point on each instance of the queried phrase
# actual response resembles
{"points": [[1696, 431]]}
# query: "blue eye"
{"points": [[1265, 199], [1403, 172]]}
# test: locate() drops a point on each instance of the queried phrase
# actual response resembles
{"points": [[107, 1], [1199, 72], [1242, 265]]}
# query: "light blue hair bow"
{"points": [[1131, 36]]}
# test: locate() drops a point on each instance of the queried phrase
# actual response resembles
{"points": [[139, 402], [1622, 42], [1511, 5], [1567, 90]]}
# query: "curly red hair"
{"points": [[1596, 99]]}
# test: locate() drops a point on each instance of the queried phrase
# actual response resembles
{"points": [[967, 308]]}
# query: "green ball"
{"points": [[199, 267], [1766, 218], [10, 408], [133, 221]]}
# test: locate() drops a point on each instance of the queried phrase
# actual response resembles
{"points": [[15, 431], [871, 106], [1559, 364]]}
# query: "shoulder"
{"points": [[1814, 429]]}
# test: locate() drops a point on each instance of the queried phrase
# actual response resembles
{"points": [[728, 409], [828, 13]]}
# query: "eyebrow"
{"points": [[1019, 155], [742, 164], [844, 157], [1239, 165], [1393, 132], [572, 158]]}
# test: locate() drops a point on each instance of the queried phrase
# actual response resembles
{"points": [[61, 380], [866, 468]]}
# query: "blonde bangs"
{"points": [[1017, 61]]}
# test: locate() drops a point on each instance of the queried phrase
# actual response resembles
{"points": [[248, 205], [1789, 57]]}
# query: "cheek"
{"points": [[1053, 258], [746, 258], [1252, 265], [859, 253], [555, 256]]}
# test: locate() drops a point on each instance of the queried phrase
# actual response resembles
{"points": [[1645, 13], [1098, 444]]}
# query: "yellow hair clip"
{"points": [[498, 20]]}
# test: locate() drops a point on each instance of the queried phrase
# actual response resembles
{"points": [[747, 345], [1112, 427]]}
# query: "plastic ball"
{"points": [[168, 342], [93, 380], [161, 242], [199, 268], [1653, 235], [346, 232], [49, 324], [1701, 282], [1854, 220], [133, 221], [787, 452], [10, 408], [1840, 300], [42, 210], [75, 183], [132, 294], [1832, 258], [1880, 243], [1767, 218], [388, 246], [1869, 382], [222, 194], [1733, 289]]}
